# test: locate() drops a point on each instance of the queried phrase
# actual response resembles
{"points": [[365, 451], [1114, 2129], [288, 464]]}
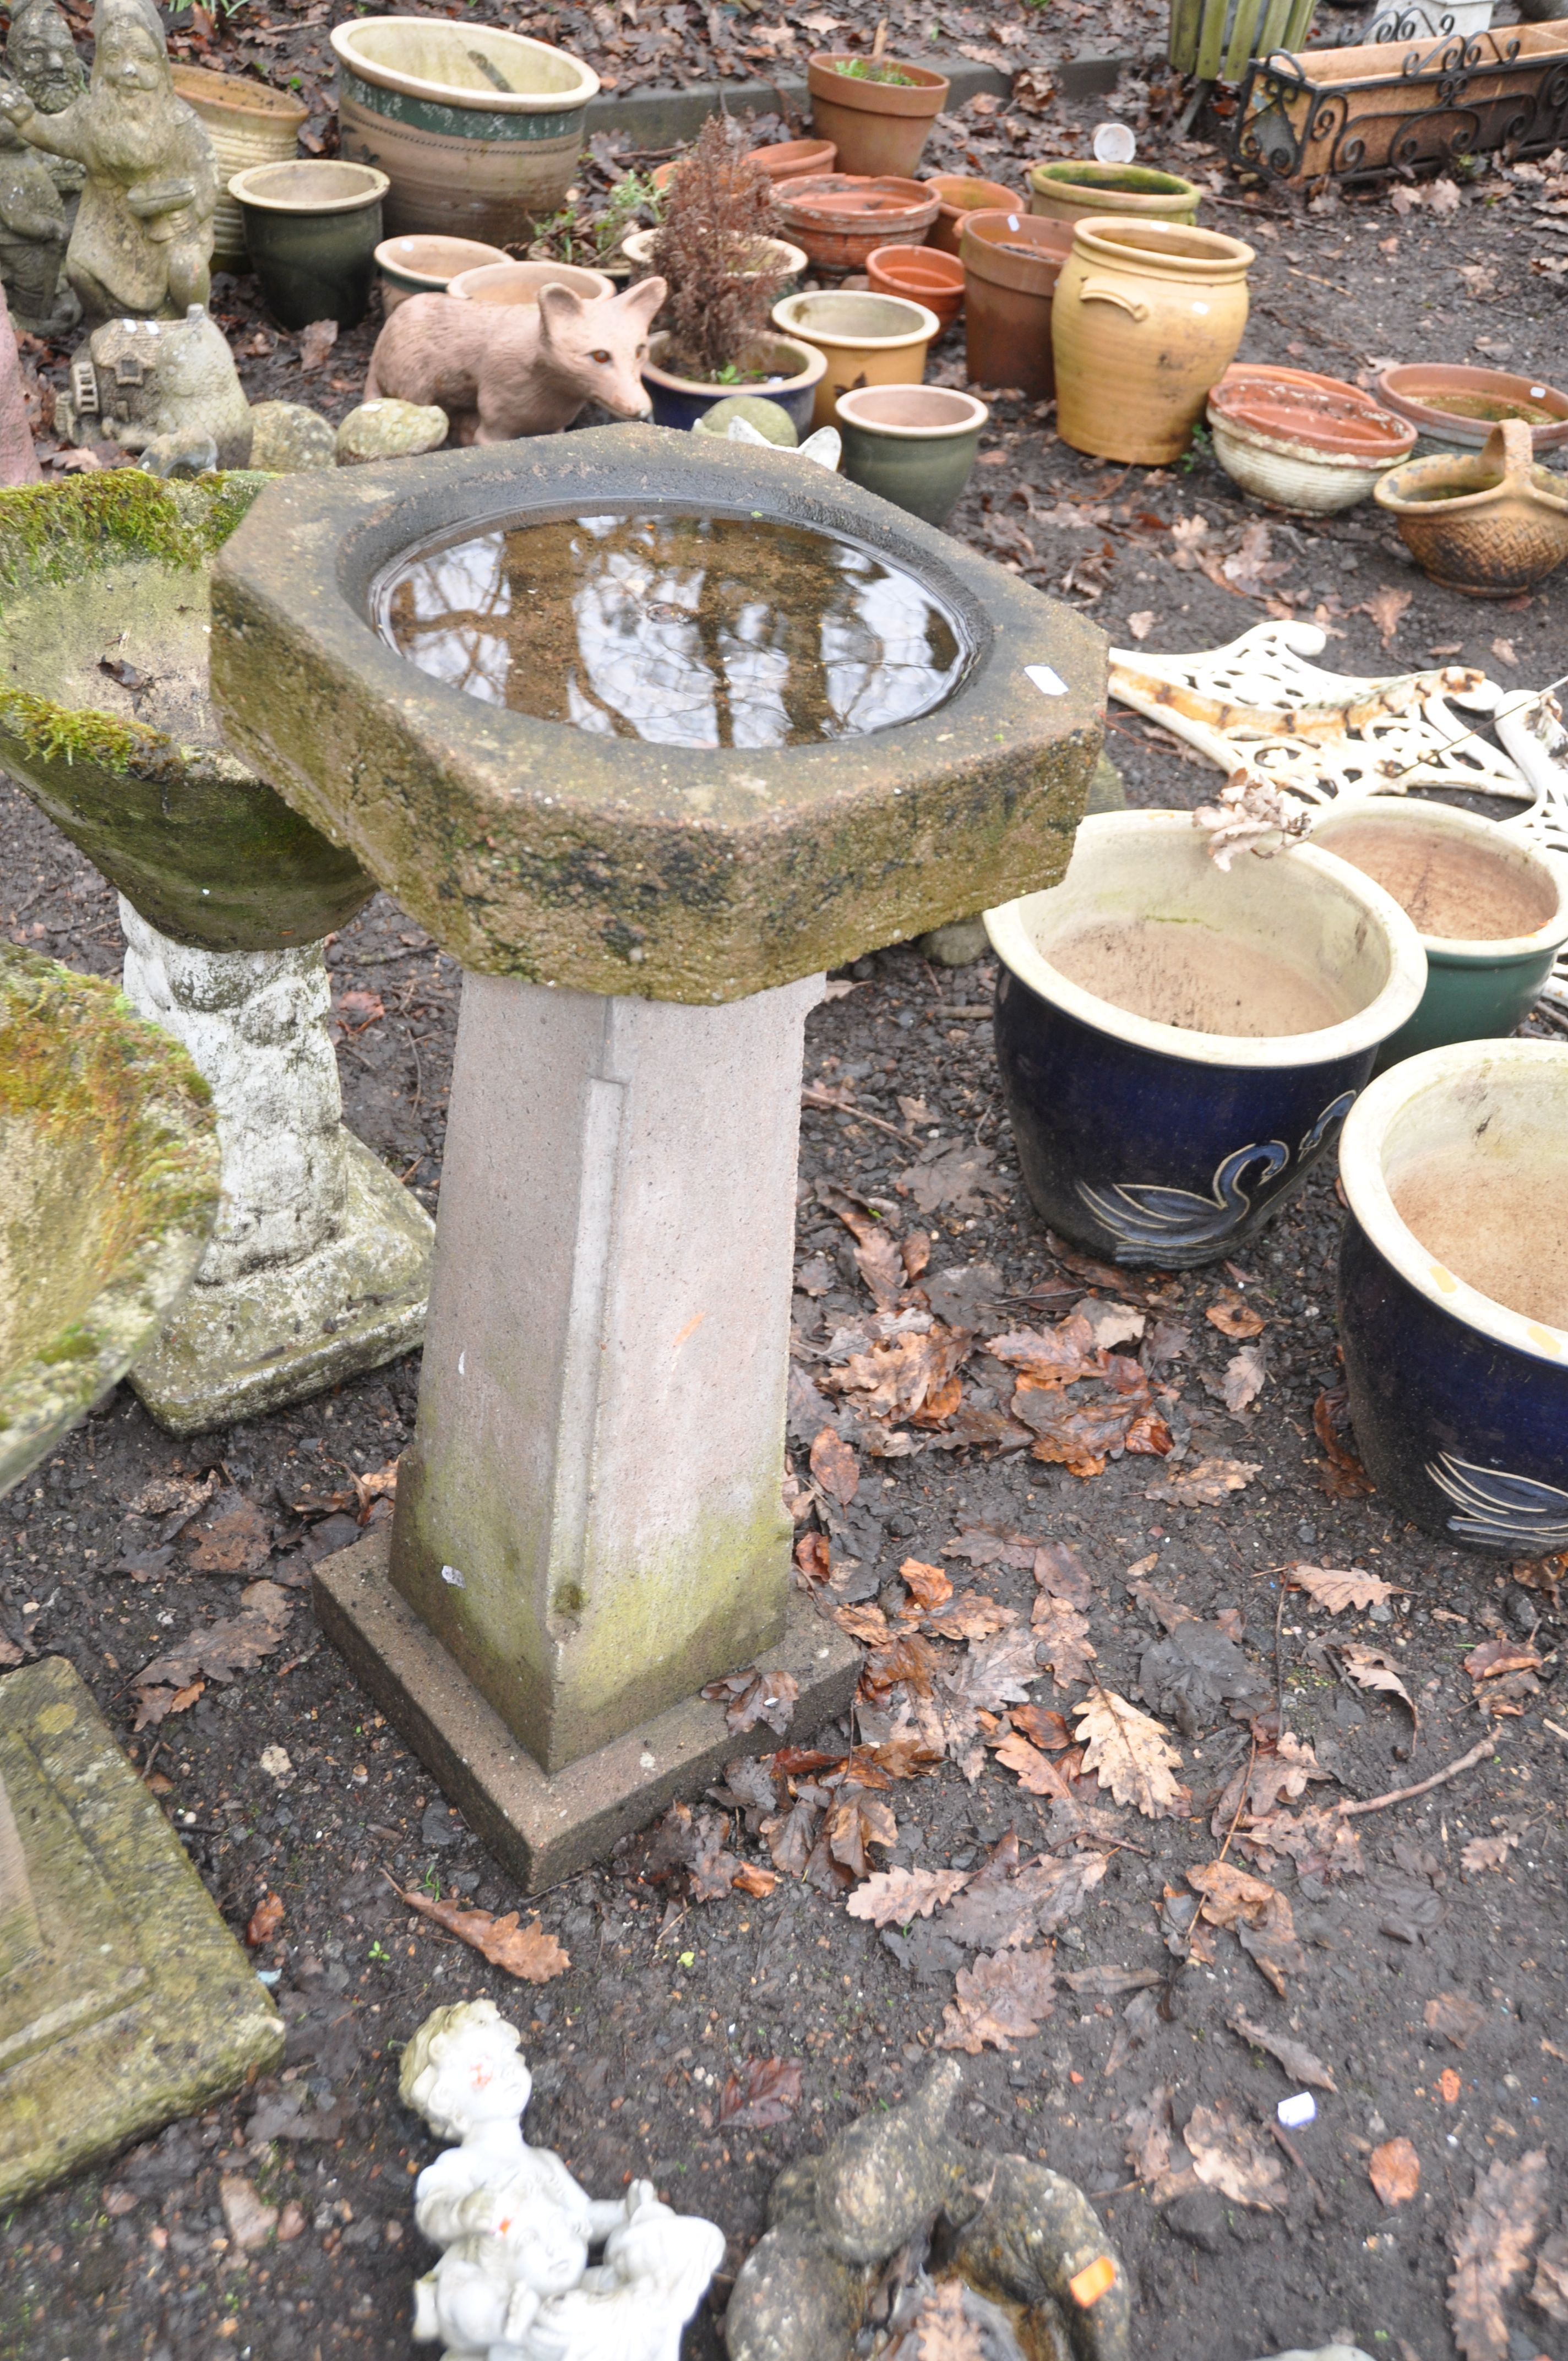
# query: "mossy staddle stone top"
{"points": [[105, 720], [607, 863], [108, 1193]]}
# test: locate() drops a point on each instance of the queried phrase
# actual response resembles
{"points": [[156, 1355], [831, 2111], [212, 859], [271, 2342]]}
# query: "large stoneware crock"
{"points": [[1178, 1043], [1453, 1292]]}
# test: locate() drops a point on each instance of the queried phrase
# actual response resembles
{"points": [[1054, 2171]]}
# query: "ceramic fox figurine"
{"points": [[503, 369]]}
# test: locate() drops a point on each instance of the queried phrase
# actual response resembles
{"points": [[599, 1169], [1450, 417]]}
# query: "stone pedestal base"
{"points": [[124, 1999], [542, 1828], [281, 1334]]}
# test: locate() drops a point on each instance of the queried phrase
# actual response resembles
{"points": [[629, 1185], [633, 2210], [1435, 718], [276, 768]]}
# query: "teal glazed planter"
{"points": [[1180, 1044], [1453, 1293], [912, 445], [477, 130], [1483, 984], [312, 229]]}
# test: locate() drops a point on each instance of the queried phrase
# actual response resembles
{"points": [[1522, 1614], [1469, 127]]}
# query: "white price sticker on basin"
{"points": [[1049, 683]]}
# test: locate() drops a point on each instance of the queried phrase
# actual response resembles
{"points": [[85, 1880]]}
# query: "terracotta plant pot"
{"points": [[912, 445], [1459, 407], [773, 254], [1148, 317], [1313, 447], [479, 130], [312, 229], [960, 198], [248, 123], [795, 372], [839, 217], [1089, 192], [427, 266], [519, 283], [1012, 264], [787, 160], [1178, 1045], [921, 272], [876, 126], [1453, 1311], [1491, 908], [865, 340], [1491, 524]]}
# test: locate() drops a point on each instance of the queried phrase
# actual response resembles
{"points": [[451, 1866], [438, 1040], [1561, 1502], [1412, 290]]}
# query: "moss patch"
{"points": [[60, 529]]}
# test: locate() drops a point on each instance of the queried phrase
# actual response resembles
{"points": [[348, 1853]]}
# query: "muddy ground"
{"points": [[664, 1998]]}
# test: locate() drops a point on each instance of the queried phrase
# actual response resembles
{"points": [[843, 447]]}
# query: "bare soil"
{"points": [[1499, 1230], [1189, 976], [665, 2000], [1450, 890]]}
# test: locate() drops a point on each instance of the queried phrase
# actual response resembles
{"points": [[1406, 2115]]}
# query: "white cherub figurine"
{"points": [[515, 2225], [634, 2305]]}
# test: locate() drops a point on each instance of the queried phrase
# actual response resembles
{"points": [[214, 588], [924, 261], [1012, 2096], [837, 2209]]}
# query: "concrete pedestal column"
{"points": [[590, 1519]]}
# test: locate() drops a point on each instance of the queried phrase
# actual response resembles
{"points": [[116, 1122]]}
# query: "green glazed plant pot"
{"points": [[1074, 191], [912, 445], [1480, 986], [312, 229]]}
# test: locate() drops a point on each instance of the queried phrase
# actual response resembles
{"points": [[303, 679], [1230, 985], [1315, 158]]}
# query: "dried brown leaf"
{"points": [[315, 343], [230, 1537], [835, 1466], [1387, 606], [1037, 1774], [1371, 1668], [998, 1672], [265, 1920], [1205, 1485], [1341, 1475], [1495, 2238], [1004, 1997], [1235, 1319], [1128, 1753], [766, 2092], [1454, 2015], [986, 1544], [1062, 1642], [1298, 2060], [1041, 1727], [173, 1682], [971, 1615], [1549, 2292], [881, 1264], [526, 1952], [1245, 1373], [927, 1586], [1394, 2172], [1337, 1587], [1486, 1852], [857, 1819], [1493, 1659], [1057, 1568], [1229, 2154], [893, 1897], [753, 1697]]}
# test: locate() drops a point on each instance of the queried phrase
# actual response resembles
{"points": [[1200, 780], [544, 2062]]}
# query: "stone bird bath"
{"points": [[318, 1263], [805, 725], [124, 1999]]}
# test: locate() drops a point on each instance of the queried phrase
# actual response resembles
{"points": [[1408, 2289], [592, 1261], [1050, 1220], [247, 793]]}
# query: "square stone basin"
{"points": [[600, 856]]}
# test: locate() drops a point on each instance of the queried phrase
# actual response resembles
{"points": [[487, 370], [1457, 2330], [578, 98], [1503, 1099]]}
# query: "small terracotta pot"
{"points": [[931, 278], [876, 126], [787, 160], [1090, 192], [427, 266], [1012, 264], [312, 228], [797, 373], [520, 282], [1148, 317], [247, 124], [840, 217], [1489, 524], [867, 339], [1426, 394], [1314, 446], [912, 445], [960, 198]]}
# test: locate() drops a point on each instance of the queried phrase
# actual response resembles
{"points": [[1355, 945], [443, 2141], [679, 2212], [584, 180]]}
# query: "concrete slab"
{"points": [[125, 2001], [540, 1829]]}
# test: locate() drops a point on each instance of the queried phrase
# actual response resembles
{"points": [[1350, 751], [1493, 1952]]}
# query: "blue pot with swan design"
{"points": [[1453, 1292], [1178, 1043]]}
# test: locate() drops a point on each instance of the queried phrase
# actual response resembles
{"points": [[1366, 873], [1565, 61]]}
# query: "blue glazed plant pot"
{"points": [[1453, 1293], [1171, 1092], [793, 372]]}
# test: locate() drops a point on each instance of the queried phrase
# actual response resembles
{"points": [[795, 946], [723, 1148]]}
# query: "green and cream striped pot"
{"points": [[478, 130]]}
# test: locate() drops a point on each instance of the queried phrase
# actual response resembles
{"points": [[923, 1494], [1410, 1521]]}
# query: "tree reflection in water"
{"points": [[682, 630]]}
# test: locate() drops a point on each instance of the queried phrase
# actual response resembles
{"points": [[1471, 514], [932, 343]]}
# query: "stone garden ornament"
{"points": [[142, 242], [38, 193], [18, 460], [514, 2282], [160, 388], [504, 369]]}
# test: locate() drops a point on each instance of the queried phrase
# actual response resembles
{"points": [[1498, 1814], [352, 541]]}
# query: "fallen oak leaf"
{"points": [[526, 1952], [769, 2094], [1245, 1375], [835, 1468], [1041, 1727], [1486, 1852], [1370, 1668], [1057, 1568], [1341, 1475], [1061, 1640], [1294, 2057], [1337, 1587], [1004, 1997], [1037, 1774], [1205, 1485], [927, 1586], [1495, 2238], [173, 1682], [857, 1819], [228, 1536], [1394, 2172], [1228, 2155], [1549, 2292], [752, 1696], [894, 1897], [1493, 1659], [1235, 1319], [1128, 1753], [265, 1920], [971, 1615]]}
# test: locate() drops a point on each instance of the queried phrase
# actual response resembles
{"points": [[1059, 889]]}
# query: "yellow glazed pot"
{"points": [[1150, 314], [868, 340]]}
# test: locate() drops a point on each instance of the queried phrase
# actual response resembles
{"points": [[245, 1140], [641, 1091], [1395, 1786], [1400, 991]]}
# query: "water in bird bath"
{"points": [[681, 630], [1176, 973]]}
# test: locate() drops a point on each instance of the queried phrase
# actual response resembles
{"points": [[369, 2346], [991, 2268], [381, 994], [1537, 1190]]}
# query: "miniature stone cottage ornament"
{"points": [[170, 383], [143, 239], [514, 2282]]}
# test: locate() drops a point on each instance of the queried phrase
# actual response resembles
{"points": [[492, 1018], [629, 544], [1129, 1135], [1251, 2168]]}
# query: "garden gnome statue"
{"points": [[18, 460], [143, 238], [33, 232], [42, 57]]}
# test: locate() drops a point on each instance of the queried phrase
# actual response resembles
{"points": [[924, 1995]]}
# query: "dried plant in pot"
{"points": [[717, 337]]}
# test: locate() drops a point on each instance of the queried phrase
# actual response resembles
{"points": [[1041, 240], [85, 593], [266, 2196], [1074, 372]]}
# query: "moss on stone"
{"points": [[63, 529]]}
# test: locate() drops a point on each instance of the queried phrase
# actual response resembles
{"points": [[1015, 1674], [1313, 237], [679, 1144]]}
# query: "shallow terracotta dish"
{"points": [[427, 266], [960, 198], [788, 160], [1461, 406], [1310, 445], [520, 282], [1490, 523], [932, 277], [840, 217]]}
